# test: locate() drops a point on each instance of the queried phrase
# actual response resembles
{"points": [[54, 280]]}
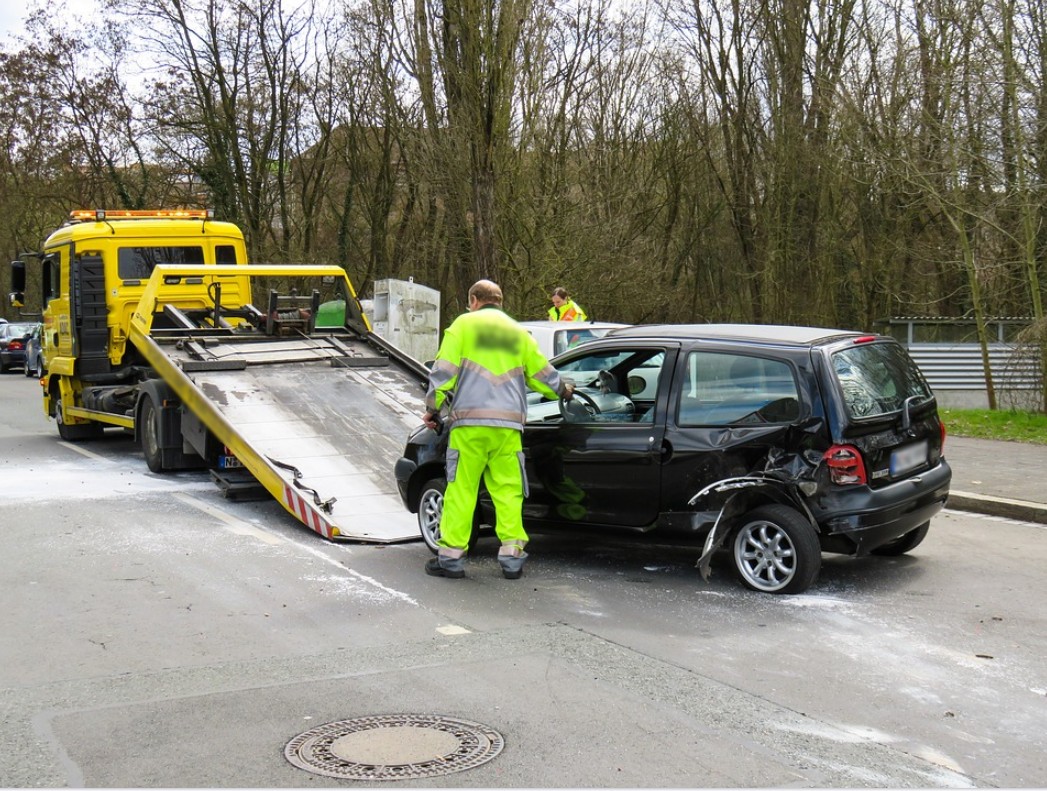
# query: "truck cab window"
{"points": [[137, 263], [225, 254]]}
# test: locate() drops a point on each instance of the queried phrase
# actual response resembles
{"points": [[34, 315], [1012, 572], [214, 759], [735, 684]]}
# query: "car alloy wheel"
{"points": [[776, 550], [430, 510]]}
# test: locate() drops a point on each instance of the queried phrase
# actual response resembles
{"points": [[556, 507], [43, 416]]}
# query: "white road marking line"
{"points": [[355, 574], [84, 452], [452, 630], [991, 518], [231, 523]]}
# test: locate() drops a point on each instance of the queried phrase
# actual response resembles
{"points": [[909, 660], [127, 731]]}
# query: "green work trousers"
{"points": [[496, 455]]}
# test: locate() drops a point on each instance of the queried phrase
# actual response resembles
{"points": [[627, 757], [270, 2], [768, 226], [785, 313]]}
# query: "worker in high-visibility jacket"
{"points": [[564, 308], [479, 382]]}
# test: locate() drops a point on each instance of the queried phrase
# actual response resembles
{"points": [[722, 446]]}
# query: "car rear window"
{"points": [[722, 389], [18, 330], [877, 378]]}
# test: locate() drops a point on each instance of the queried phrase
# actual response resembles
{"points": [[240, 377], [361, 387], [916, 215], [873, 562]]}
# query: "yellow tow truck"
{"points": [[151, 326]]}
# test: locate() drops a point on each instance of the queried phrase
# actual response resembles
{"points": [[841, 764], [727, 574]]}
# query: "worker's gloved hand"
{"points": [[568, 391], [432, 420]]}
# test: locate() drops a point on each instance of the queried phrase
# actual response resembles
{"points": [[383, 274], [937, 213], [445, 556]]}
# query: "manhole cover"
{"points": [[394, 747]]}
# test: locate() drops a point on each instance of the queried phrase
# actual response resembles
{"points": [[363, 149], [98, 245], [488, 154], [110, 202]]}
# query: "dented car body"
{"points": [[773, 443]]}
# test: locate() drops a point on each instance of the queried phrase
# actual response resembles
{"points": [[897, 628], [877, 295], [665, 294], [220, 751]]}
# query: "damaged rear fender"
{"points": [[742, 495]]}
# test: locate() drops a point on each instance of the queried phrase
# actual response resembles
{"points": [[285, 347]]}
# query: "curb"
{"points": [[997, 506]]}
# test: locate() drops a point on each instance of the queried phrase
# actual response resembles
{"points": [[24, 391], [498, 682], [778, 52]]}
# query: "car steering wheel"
{"points": [[587, 409]]}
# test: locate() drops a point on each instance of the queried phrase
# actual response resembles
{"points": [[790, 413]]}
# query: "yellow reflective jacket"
{"points": [[488, 361], [568, 311]]}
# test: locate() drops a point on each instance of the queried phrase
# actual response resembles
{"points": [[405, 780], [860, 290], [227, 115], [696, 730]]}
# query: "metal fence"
{"points": [[957, 376]]}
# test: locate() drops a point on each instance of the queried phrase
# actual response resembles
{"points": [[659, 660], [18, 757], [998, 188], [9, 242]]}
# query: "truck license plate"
{"points": [[908, 457]]}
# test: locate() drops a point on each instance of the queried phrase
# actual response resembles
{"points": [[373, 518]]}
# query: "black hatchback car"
{"points": [[774, 443]]}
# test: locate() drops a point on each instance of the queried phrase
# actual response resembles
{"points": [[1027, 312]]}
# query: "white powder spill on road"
{"points": [[75, 480]]}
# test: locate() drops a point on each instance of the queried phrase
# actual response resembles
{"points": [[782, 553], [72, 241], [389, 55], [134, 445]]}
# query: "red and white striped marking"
{"points": [[306, 512]]}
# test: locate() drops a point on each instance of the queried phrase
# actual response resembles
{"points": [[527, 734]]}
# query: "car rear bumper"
{"points": [[860, 520]]}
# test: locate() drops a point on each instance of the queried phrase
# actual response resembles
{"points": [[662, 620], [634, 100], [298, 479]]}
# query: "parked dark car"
{"points": [[34, 353], [773, 443], [12, 344]]}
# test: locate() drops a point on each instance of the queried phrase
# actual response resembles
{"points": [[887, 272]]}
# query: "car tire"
{"points": [[149, 434], [430, 511], [28, 371], [904, 543], [776, 550]]}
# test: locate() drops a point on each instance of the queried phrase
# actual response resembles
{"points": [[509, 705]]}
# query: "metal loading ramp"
{"points": [[320, 421]]}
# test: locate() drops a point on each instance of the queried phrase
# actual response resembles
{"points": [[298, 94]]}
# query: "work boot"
{"points": [[453, 568], [512, 565]]}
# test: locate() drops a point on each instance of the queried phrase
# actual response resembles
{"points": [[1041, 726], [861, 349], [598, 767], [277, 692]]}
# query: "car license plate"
{"points": [[229, 463], [908, 457]]}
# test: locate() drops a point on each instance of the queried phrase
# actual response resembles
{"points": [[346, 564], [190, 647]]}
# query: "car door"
{"points": [[728, 409], [601, 467]]}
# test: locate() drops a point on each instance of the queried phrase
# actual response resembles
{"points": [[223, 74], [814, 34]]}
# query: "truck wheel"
{"points": [[430, 512], [149, 434], [776, 550], [75, 432], [904, 543]]}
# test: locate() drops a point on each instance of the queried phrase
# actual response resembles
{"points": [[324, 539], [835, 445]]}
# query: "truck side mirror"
{"points": [[17, 295]]}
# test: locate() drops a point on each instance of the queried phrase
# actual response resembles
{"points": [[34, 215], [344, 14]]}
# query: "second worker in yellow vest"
{"points": [[564, 308]]}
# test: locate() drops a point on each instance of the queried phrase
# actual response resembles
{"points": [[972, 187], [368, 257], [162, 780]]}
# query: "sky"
{"points": [[14, 12]]}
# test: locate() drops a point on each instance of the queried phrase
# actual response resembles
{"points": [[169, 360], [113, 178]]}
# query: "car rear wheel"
{"points": [[904, 543], [776, 550], [430, 512]]}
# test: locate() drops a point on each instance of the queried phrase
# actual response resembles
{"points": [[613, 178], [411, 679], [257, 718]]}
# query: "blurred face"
{"points": [[558, 301]]}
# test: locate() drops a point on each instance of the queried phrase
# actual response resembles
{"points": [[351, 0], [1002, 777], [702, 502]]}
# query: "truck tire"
{"points": [[776, 550], [430, 511], [75, 432], [149, 435]]}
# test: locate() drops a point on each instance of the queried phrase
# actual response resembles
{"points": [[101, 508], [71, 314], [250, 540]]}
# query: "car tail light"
{"points": [[845, 464], [14, 346], [941, 427]]}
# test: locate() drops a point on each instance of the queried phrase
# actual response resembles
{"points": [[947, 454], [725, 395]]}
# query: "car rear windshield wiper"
{"points": [[907, 405]]}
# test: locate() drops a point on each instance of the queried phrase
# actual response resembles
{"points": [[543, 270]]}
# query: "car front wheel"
{"points": [[430, 509], [430, 512], [776, 550]]}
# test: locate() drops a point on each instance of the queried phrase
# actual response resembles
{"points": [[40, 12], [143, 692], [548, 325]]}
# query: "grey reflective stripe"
{"points": [[513, 549], [442, 372], [451, 552], [482, 398], [550, 377], [468, 419]]}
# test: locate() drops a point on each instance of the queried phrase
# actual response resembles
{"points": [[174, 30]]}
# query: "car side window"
{"points": [[724, 389], [613, 386]]}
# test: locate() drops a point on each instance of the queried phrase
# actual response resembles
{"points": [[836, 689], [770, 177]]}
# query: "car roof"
{"points": [[578, 325], [779, 334]]}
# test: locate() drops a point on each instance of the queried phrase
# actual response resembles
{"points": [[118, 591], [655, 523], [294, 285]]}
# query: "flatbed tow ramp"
{"points": [[317, 418]]}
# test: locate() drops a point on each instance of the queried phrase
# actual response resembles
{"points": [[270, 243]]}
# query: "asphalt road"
{"points": [[156, 635]]}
